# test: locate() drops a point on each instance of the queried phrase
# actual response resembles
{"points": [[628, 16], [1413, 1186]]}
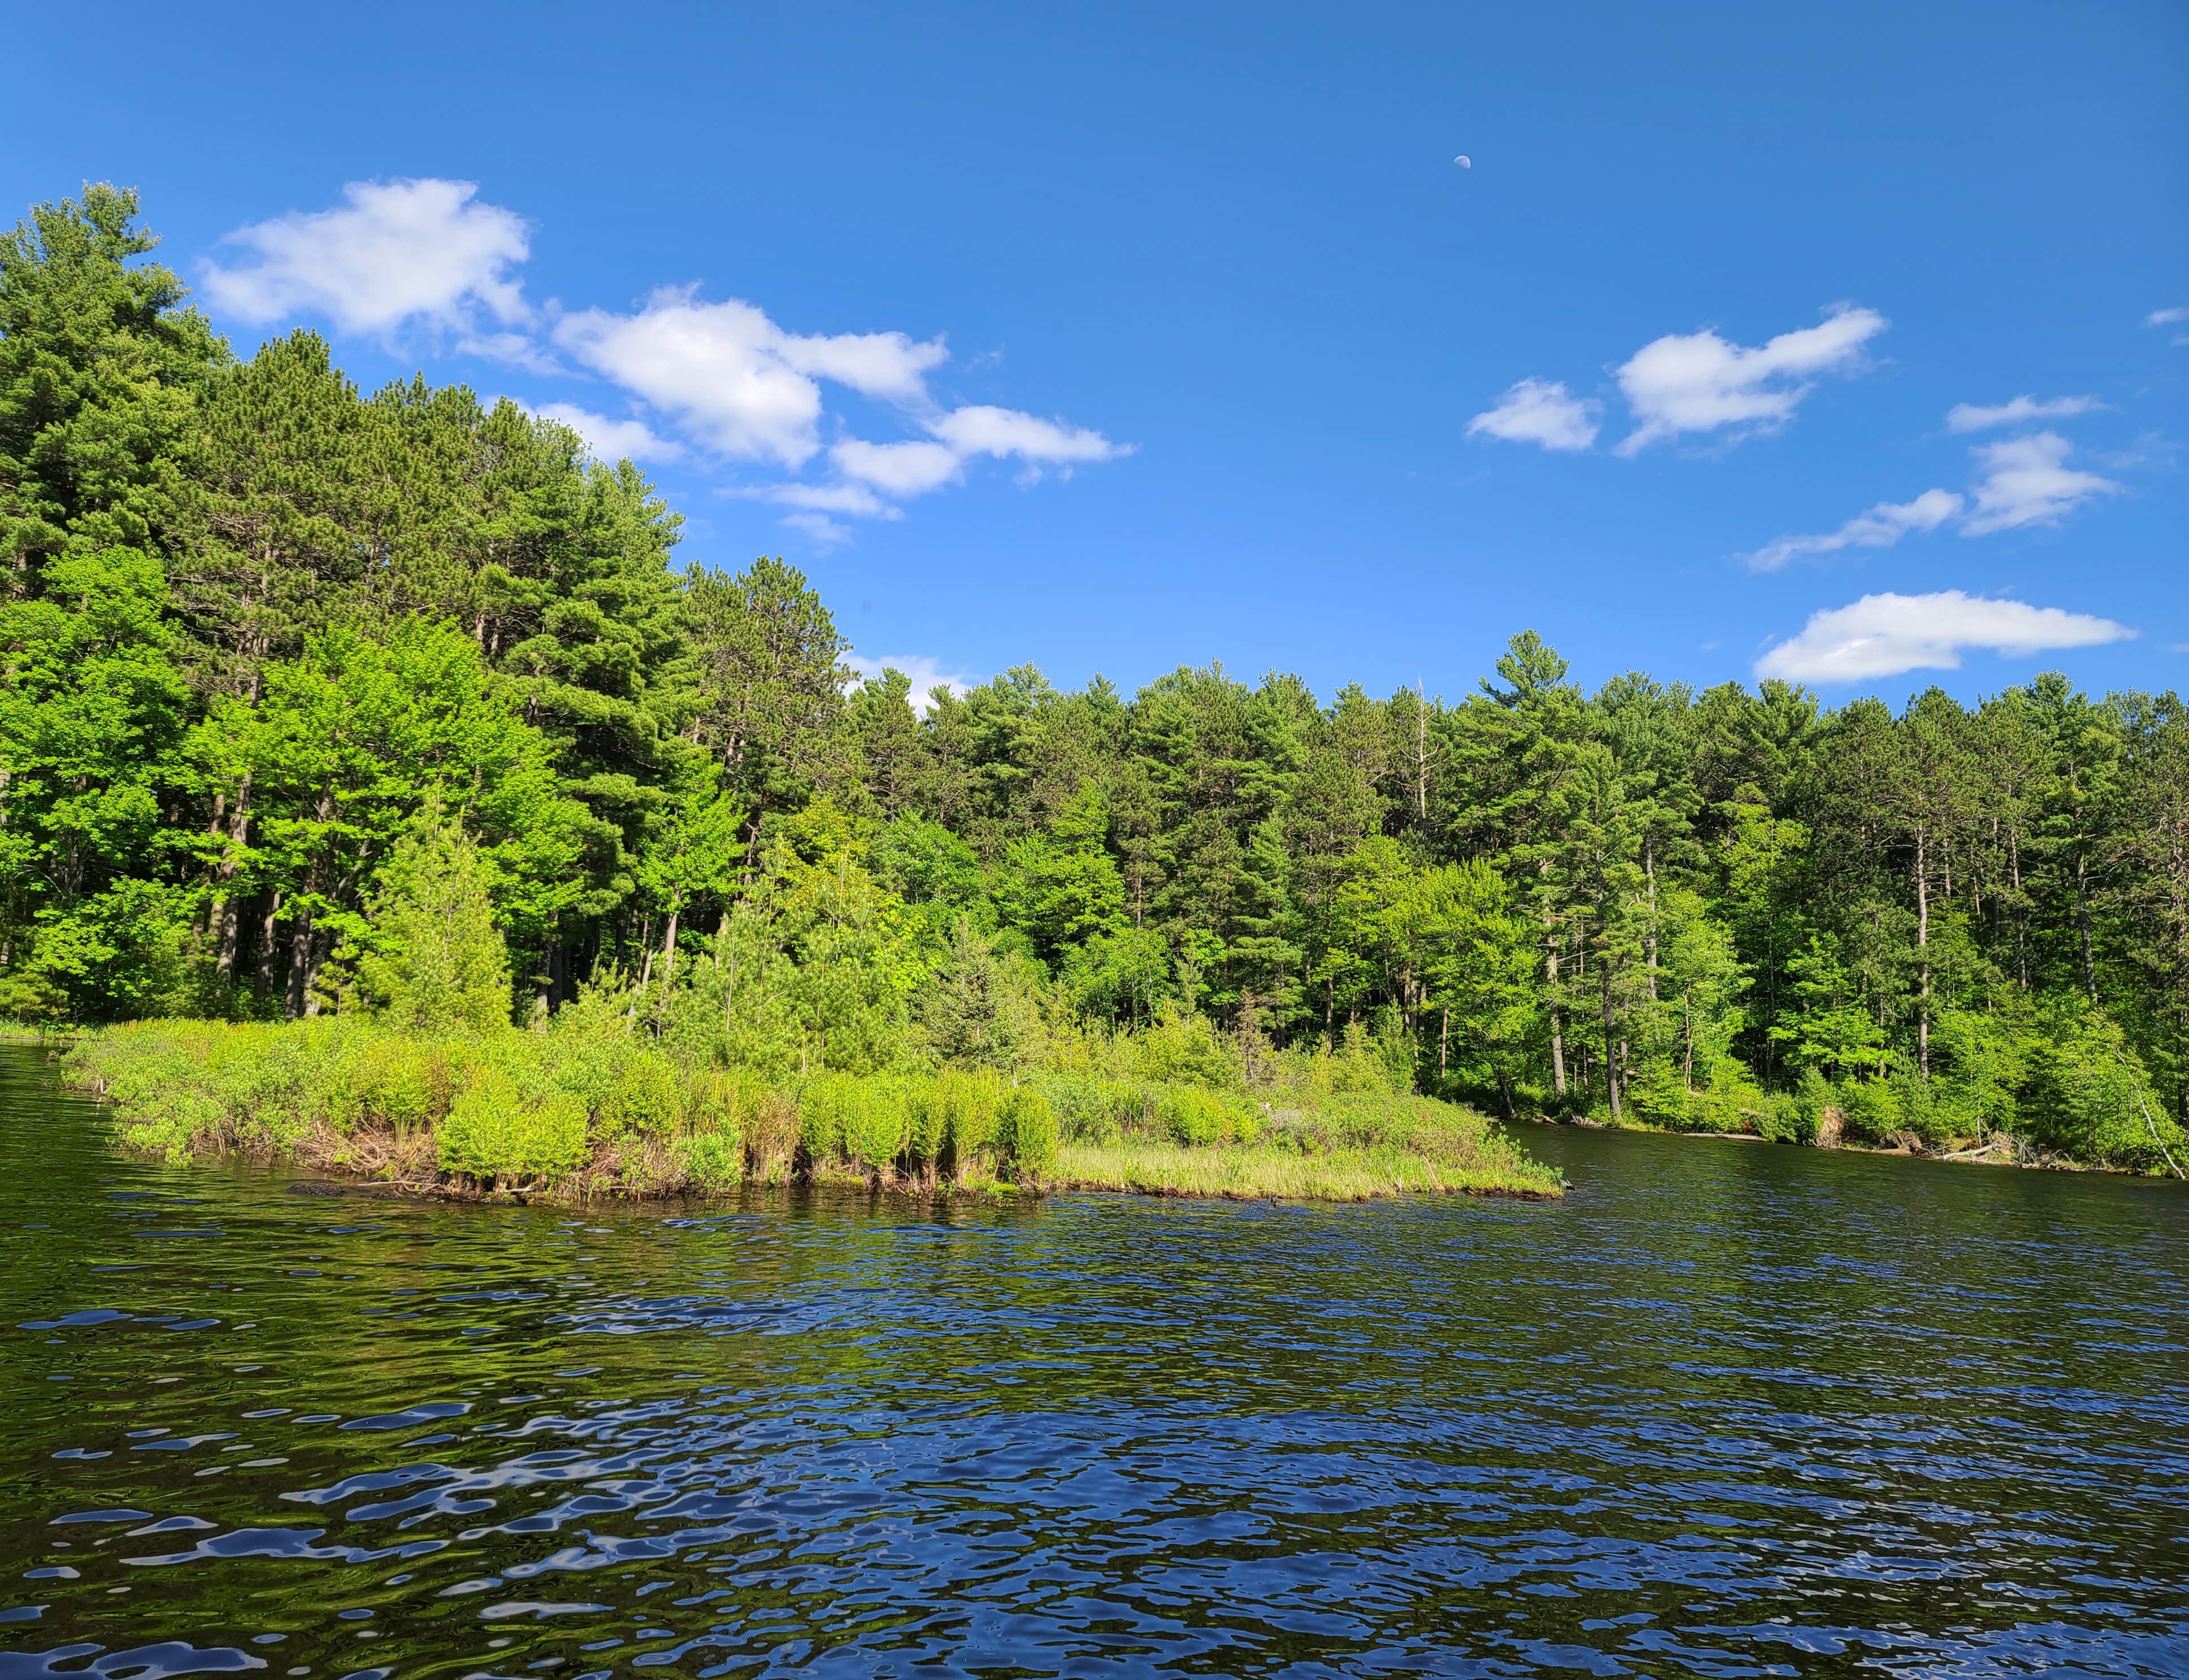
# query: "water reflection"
{"points": [[1728, 1410]]}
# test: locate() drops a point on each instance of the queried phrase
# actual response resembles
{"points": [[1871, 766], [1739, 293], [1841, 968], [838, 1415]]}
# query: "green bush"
{"points": [[1786, 1120], [714, 1161], [1083, 1114], [1026, 1131], [646, 1097], [975, 1102], [822, 1101], [875, 1123], [1813, 1094], [1192, 1117], [1870, 1108], [927, 1119], [2091, 1096], [401, 1085], [496, 1128], [1659, 1096]]}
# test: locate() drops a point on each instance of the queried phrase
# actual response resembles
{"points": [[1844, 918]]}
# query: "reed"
{"points": [[591, 1112]]}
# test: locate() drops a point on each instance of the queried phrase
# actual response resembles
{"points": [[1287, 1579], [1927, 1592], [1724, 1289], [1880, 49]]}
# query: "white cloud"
{"points": [[1973, 417], [981, 429], [1541, 411], [2027, 482], [908, 469], [611, 440], [1700, 382], [855, 499], [915, 467], [822, 531], [1881, 635], [1881, 527], [750, 390], [2166, 317], [926, 674], [511, 350], [400, 251], [744, 385], [890, 366], [719, 378]]}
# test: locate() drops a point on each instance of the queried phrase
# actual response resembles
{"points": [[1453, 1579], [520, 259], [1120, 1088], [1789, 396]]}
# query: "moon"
{"points": [[1464, 161]]}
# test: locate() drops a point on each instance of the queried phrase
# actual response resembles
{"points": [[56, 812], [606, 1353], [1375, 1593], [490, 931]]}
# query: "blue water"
{"points": [[1728, 1410]]}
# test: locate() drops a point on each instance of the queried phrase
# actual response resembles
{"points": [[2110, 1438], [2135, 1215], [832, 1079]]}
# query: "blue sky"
{"points": [[1115, 337]]}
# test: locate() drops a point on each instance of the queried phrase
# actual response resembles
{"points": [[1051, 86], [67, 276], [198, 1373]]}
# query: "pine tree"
{"points": [[436, 962]]}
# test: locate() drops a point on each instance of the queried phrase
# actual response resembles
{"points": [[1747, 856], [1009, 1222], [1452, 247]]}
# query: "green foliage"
{"points": [[1026, 1132], [1191, 1116], [437, 962], [100, 371], [500, 1126], [2093, 1099], [295, 678], [874, 1123]]}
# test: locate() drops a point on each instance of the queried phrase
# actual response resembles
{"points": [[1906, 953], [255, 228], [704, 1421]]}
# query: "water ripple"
{"points": [[1728, 1411]]}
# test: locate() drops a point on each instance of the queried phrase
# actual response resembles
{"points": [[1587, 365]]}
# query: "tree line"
{"points": [[270, 640]]}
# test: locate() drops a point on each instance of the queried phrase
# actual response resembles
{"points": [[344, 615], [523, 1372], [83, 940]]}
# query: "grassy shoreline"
{"points": [[1251, 1174], [579, 1118]]}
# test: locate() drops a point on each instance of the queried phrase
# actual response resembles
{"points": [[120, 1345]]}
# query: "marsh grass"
{"points": [[1254, 1172], [583, 1110]]}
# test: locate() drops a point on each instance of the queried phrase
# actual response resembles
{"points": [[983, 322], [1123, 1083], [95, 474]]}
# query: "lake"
{"points": [[1730, 1409]]}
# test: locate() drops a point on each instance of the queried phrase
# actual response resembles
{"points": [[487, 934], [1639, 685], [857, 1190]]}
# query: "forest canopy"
{"points": [[310, 691]]}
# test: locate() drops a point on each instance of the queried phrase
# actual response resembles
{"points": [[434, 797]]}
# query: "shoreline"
{"points": [[2003, 1151], [1348, 1178], [504, 1119]]}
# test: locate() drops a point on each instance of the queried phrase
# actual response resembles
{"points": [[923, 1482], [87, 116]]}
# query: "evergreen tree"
{"points": [[436, 962]]}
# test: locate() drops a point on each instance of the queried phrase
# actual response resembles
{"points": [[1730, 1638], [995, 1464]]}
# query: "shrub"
{"points": [[1026, 1131], [1870, 1108], [1656, 1092], [974, 1101], [772, 1135], [1083, 1113], [399, 1084], [1813, 1094], [646, 1097], [874, 1123], [1184, 1049], [927, 1119], [437, 962], [1731, 1101], [496, 1128], [822, 1101], [1784, 1119], [1195, 1118], [2091, 1096], [713, 1160]]}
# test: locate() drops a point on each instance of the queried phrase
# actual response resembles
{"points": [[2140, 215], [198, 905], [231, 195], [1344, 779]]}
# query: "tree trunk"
{"points": [[2020, 913], [1923, 952], [266, 930], [300, 964], [1551, 985], [1610, 1044], [1421, 752], [669, 960], [1923, 955], [316, 956], [228, 918], [1650, 874], [2082, 928]]}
